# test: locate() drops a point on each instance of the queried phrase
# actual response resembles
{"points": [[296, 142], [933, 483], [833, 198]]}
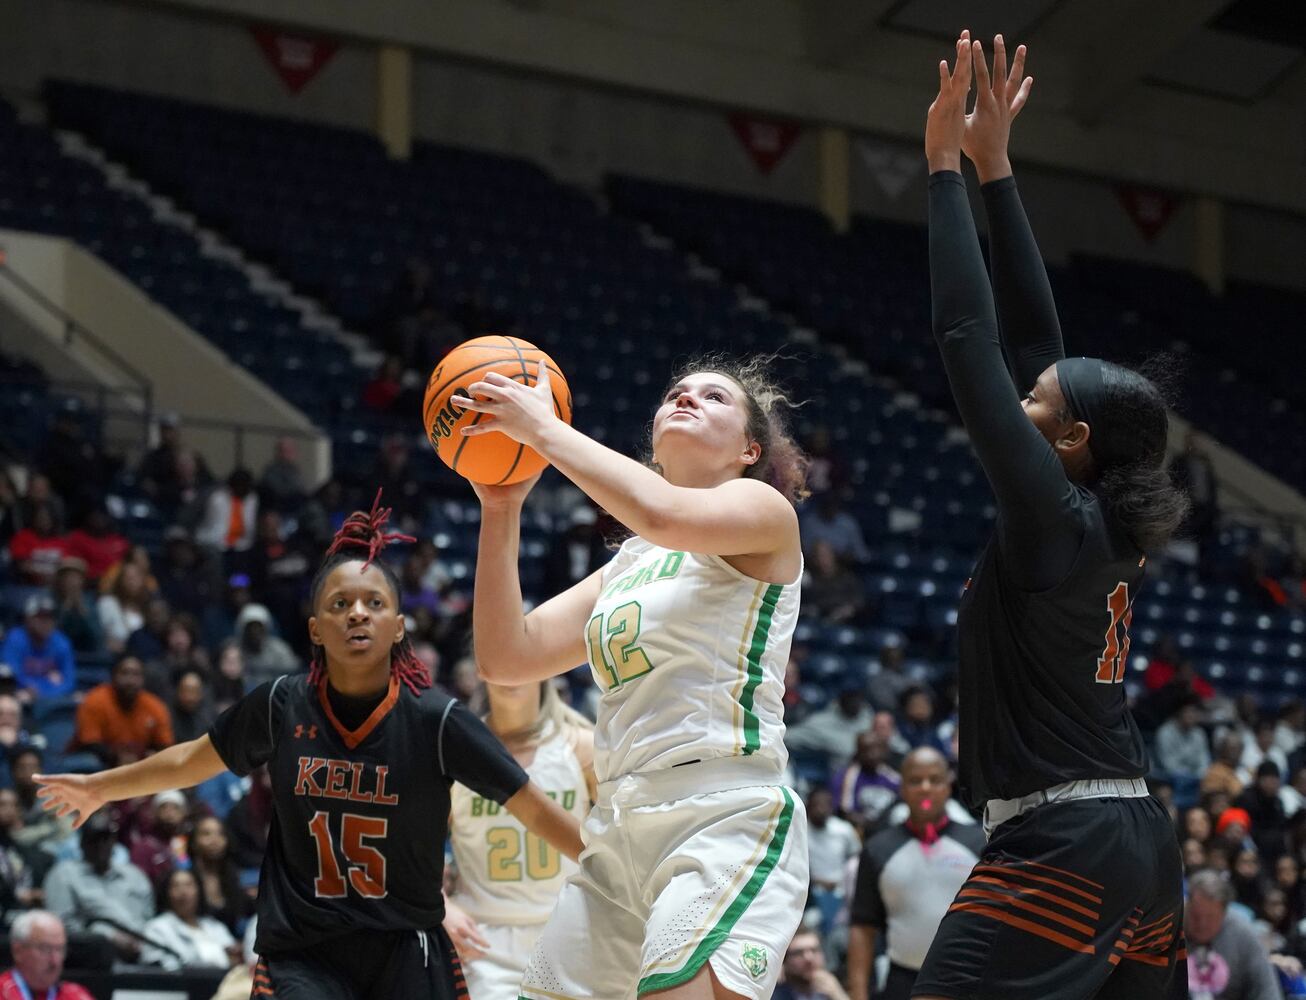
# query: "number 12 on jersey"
{"points": [[1111, 664], [617, 634]]}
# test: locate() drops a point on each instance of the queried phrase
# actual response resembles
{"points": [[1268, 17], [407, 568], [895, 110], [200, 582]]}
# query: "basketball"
{"points": [[489, 459]]}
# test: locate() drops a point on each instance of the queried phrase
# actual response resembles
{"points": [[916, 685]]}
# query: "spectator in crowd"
{"points": [[1225, 961], [805, 974], [22, 867], [12, 732], [181, 651], [889, 683], [11, 518], [120, 716], [191, 712], [1247, 879], [37, 828], [1181, 747], [99, 894], [831, 590], [38, 548], [833, 730], [1197, 824], [218, 620], [824, 519], [831, 844], [150, 641], [575, 553], [867, 788], [1233, 830], [399, 483], [885, 725], [212, 861], [1264, 808], [1222, 775], [122, 610], [181, 936], [1290, 730], [277, 570], [282, 484], [1287, 877], [39, 944], [1194, 854], [916, 719], [228, 683], [172, 474], [98, 543], [187, 581], [908, 877], [40, 493], [40, 656], [74, 464], [153, 847], [385, 386], [250, 820], [1262, 747], [230, 514], [267, 656], [323, 515], [74, 616]]}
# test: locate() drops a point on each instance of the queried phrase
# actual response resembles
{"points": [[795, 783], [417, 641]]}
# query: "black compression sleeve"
{"points": [[1031, 332], [1038, 526]]}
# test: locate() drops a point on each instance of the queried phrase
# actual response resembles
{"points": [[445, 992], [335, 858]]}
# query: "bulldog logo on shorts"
{"points": [[754, 959]]}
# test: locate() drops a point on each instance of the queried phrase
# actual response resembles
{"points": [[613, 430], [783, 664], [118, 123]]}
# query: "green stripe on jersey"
{"points": [[718, 934], [761, 633]]}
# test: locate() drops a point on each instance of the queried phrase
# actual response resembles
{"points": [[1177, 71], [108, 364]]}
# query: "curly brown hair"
{"points": [[782, 463]]}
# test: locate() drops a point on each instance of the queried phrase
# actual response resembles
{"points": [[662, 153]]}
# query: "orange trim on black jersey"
{"points": [[1010, 870], [1025, 890], [1025, 925], [1158, 960], [1022, 904], [352, 739], [1059, 871]]}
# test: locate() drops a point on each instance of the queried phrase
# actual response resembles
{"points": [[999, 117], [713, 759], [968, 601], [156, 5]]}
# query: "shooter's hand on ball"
{"points": [[519, 411]]}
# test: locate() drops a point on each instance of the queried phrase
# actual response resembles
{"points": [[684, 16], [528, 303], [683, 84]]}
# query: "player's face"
{"points": [[357, 619], [1046, 405], [705, 411]]}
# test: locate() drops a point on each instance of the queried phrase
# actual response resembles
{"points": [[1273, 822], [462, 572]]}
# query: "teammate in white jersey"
{"points": [[695, 870], [508, 879]]}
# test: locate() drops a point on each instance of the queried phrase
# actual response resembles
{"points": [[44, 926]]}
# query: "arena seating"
{"points": [[332, 215]]}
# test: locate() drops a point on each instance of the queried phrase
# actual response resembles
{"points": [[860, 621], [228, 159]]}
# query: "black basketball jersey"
{"points": [[1042, 698], [359, 818]]}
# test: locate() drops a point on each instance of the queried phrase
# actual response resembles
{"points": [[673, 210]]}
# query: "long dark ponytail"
{"points": [[1139, 492]]}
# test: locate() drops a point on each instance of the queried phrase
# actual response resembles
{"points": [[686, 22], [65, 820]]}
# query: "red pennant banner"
{"points": [[766, 139], [1149, 208], [296, 58]]}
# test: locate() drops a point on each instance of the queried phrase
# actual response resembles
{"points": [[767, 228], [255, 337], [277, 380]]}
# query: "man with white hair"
{"points": [[1225, 961], [39, 945]]}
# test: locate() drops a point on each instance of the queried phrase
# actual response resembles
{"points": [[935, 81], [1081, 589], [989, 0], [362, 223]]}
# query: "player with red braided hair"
{"points": [[361, 750]]}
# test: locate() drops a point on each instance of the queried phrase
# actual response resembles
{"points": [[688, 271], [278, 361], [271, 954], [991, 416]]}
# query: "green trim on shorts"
{"points": [[761, 633], [718, 934]]}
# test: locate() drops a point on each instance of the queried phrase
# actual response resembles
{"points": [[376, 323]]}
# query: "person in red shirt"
{"points": [[120, 717], [98, 543], [39, 945], [38, 548]]}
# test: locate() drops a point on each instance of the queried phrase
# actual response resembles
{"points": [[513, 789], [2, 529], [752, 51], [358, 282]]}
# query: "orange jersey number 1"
{"points": [[1111, 664]]}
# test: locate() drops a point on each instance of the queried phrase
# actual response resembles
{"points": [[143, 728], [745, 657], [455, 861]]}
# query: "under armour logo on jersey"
{"points": [[312, 732]]}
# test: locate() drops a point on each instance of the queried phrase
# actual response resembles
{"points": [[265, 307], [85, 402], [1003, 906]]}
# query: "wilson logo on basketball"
{"points": [[442, 424]]}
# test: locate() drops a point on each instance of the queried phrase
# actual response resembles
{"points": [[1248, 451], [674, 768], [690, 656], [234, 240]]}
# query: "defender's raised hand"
{"points": [[998, 100], [945, 124]]}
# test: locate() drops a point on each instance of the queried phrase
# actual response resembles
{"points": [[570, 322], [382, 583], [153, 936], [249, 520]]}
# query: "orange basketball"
{"points": [[490, 459]]}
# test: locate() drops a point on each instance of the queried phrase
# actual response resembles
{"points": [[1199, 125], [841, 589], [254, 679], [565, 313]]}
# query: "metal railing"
{"points": [[75, 331]]}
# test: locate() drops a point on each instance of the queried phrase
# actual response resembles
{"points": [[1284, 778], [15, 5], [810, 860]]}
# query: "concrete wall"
{"points": [[186, 372]]}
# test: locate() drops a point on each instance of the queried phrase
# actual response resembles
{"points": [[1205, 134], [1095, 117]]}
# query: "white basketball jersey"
{"points": [[507, 875], [689, 654]]}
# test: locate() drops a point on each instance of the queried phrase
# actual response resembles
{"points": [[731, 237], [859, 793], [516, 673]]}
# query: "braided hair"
{"points": [[363, 536]]}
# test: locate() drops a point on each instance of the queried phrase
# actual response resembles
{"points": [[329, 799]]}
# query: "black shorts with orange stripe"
{"points": [[1070, 901], [365, 965]]}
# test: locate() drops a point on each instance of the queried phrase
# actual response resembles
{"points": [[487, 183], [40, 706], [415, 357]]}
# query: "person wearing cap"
{"points": [[267, 656], [119, 717], [40, 656], [74, 615], [908, 875], [99, 894], [39, 944], [1234, 827]]}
